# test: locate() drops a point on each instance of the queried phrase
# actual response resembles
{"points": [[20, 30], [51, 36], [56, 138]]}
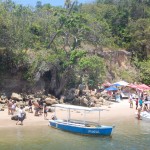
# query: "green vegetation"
{"points": [[50, 39]]}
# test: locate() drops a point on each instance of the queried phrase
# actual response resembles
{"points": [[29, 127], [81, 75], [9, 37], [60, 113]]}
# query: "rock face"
{"points": [[118, 65], [120, 58]]}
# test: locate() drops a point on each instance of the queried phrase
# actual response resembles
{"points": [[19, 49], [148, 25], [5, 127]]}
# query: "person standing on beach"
{"points": [[13, 107], [139, 113], [36, 108], [136, 103], [30, 106], [40, 102], [9, 105], [145, 105], [21, 116], [141, 102], [131, 101], [45, 111]]}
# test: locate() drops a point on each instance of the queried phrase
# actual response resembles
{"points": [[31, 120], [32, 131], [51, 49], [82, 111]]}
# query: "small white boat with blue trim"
{"points": [[80, 126], [145, 115]]}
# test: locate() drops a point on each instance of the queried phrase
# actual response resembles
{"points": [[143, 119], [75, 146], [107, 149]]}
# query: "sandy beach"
{"points": [[114, 111]]}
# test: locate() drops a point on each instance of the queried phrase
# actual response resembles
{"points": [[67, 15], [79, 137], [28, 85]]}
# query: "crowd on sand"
{"points": [[136, 98], [40, 108], [18, 112], [139, 102]]}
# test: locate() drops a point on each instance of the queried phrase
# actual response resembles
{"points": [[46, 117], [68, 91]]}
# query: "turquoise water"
{"points": [[129, 134]]}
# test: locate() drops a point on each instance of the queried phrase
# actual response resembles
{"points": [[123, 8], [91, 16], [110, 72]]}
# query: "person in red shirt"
{"points": [[136, 103]]}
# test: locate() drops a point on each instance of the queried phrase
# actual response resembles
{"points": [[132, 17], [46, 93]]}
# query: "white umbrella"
{"points": [[121, 83]]}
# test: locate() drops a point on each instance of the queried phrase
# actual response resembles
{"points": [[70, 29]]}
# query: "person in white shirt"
{"points": [[131, 101], [21, 116], [13, 108]]}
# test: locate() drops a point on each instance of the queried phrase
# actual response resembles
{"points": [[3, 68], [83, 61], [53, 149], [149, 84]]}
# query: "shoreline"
{"points": [[116, 111]]}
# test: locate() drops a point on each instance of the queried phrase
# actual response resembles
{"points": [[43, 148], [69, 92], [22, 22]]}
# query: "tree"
{"points": [[92, 69], [139, 32], [145, 71], [68, 4], [38, 4]]}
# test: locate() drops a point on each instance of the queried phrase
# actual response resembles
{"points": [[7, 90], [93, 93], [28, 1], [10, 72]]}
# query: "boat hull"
{"points": [[80, 128]]}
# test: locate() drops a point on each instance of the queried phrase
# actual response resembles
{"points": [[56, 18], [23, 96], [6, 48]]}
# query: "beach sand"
{"points": [[111, 113]]}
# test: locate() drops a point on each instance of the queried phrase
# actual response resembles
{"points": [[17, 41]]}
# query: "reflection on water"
{"points": [[128, 135]]}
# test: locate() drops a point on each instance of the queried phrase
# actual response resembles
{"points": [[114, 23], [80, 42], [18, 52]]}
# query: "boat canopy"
{"points": [[77, 107]]}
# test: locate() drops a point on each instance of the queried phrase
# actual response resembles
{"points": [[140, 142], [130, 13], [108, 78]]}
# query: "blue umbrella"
{"points": [[111, 88]]}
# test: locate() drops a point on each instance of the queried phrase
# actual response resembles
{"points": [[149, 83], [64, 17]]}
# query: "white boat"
{"points": [[145, 115], [80, 126]]}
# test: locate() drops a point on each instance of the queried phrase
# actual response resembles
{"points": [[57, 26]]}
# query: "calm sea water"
{"points": [[129, 134]]}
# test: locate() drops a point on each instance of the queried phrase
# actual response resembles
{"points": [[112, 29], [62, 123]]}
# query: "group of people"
{"points": [[139, 103], [11, 106], [39, 108]]}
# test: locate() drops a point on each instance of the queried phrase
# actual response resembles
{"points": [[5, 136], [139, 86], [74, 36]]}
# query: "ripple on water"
{"points": [[128, 135]]}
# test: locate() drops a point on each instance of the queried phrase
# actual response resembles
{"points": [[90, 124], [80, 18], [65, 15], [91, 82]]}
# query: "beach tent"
{"points": [[121, 83], [111, 88]]}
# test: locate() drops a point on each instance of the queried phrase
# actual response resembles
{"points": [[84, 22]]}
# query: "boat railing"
{"points": [[86, 123], [75, 123]]}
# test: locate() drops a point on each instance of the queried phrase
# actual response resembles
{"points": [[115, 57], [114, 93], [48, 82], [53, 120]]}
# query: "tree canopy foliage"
{"points": [[49, 39]]}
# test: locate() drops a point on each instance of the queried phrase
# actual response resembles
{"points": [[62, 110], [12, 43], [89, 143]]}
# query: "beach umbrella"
{"points": [[111, 88], [144, 87], [122, 83], [132, 86], [116, 84]]}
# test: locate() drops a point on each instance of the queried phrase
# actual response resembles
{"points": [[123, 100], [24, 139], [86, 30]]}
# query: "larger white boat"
{"points": [[145, 115], [80, 126]]}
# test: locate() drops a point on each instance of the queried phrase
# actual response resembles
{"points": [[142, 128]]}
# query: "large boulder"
{"points": [[50, 101], [102, 100], [2, 101], [98, 95], [16, 97]]}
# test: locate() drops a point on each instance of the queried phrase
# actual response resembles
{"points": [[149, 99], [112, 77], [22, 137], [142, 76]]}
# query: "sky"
{"points": [[52, 2]]}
